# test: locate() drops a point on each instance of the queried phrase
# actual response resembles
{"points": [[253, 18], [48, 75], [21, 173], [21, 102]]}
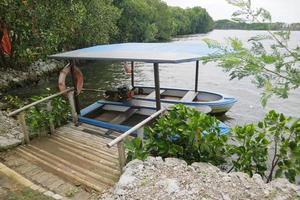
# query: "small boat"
{"points": [[143, 101], [219, 103], [121, 116]]}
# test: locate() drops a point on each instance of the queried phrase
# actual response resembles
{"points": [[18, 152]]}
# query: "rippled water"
{"points": [[247, 109]]}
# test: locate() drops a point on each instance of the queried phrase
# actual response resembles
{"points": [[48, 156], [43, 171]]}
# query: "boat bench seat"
{"points": [[189, 96], [152, 94], [90, 108], [124, 116]]}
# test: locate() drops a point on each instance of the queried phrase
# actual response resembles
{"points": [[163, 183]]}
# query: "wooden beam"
{"points": [[51, 124], [122, 155], [21, 118], [73, 109], [76, 100]]}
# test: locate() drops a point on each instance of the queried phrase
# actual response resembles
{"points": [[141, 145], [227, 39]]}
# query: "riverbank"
{"points": [[11, 78], [174, 179]]}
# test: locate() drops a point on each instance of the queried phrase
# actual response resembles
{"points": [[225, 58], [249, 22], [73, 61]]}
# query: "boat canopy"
{"points": [[172, 52]]}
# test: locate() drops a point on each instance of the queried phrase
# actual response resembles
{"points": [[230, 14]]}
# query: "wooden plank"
{"points": [[66, 171], [110, 166], [106, 153], [51, 158], [189, 96], [124, 116], [152, 94]]}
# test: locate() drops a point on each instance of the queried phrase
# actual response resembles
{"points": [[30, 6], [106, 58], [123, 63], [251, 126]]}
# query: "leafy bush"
{"points": [[195, 137], [38, 117], [184, 133], [276, 138]]}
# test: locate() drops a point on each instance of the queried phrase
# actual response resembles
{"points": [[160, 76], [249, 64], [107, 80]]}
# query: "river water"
{"points": [[105, 75]]}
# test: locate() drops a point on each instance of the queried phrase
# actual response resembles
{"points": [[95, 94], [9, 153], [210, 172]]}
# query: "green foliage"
{"points": [[135, 149], [195, 137], [38, 29], [230, 24], [38, 117], [278, 134], [250, 148], [184, 133], [146, 20], [275, 67]]}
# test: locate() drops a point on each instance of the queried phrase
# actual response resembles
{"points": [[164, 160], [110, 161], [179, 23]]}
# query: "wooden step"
{"points": [[81, 153], [63, 170], [71, 170]]}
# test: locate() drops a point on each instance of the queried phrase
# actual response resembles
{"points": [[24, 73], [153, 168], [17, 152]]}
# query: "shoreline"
{"points": [[12, 79]]}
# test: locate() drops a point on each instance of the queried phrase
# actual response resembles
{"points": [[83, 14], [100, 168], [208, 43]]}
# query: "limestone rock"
{"points": [[174, 179]]}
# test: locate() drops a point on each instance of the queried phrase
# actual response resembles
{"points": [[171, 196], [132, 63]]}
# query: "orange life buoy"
{"points": [[78, 78]]}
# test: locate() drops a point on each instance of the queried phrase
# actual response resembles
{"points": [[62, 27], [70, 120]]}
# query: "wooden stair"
{"points": [[76, 155]]}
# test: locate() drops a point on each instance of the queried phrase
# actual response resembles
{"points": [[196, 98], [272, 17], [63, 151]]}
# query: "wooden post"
{"points": [[73, 109], [140, 133], [21, 118], [122, 155], [75, 94], [51, 124]]}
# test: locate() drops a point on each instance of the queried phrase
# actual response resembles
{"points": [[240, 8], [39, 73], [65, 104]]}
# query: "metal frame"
{"points": [[157, 87], [196, 76], [132, 74]]}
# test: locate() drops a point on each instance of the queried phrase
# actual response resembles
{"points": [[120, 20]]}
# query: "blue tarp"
{"points": [[172, 52]]}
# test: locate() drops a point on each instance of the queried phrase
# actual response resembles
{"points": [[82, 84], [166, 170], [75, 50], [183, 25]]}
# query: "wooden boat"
{"points": [[219, 103]]}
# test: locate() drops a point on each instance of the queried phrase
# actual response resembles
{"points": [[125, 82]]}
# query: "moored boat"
{"points": [[219, 103]]}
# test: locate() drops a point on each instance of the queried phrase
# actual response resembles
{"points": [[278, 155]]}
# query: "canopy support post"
{"points": [[132, 74], [157, 87], [196, 76], [76, 100]]}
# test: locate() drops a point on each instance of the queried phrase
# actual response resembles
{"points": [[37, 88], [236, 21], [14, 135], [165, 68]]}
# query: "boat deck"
{"points": [[78, 155]]}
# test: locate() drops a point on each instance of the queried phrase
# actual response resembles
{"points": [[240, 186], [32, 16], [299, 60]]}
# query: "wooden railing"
{"points": [[21, 114], [119, 140]]}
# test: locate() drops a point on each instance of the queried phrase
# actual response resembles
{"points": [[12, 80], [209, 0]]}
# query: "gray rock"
{"points": [[174, 179]]}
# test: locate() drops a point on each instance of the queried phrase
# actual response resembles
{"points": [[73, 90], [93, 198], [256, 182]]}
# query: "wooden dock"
{"points": [[78, 155]]}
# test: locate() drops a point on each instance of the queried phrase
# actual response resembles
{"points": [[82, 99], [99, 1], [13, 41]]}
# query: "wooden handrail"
{"points": [[136, 127], [39, 101]]}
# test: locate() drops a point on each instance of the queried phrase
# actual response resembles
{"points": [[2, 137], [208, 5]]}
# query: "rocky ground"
{"points": [[10, 132], [10, 78], [174, 179]]}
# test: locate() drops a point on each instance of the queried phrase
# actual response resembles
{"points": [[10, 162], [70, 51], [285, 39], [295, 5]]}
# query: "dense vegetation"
{"points": [[39, 28], [230, 24], [195, 137]]}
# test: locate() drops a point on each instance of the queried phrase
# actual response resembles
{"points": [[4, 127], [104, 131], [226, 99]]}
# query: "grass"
{"points": [[26, 194]]}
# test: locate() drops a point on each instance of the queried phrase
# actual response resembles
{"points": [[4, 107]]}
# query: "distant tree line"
{"points": [[39, 28], [229, 24]]}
